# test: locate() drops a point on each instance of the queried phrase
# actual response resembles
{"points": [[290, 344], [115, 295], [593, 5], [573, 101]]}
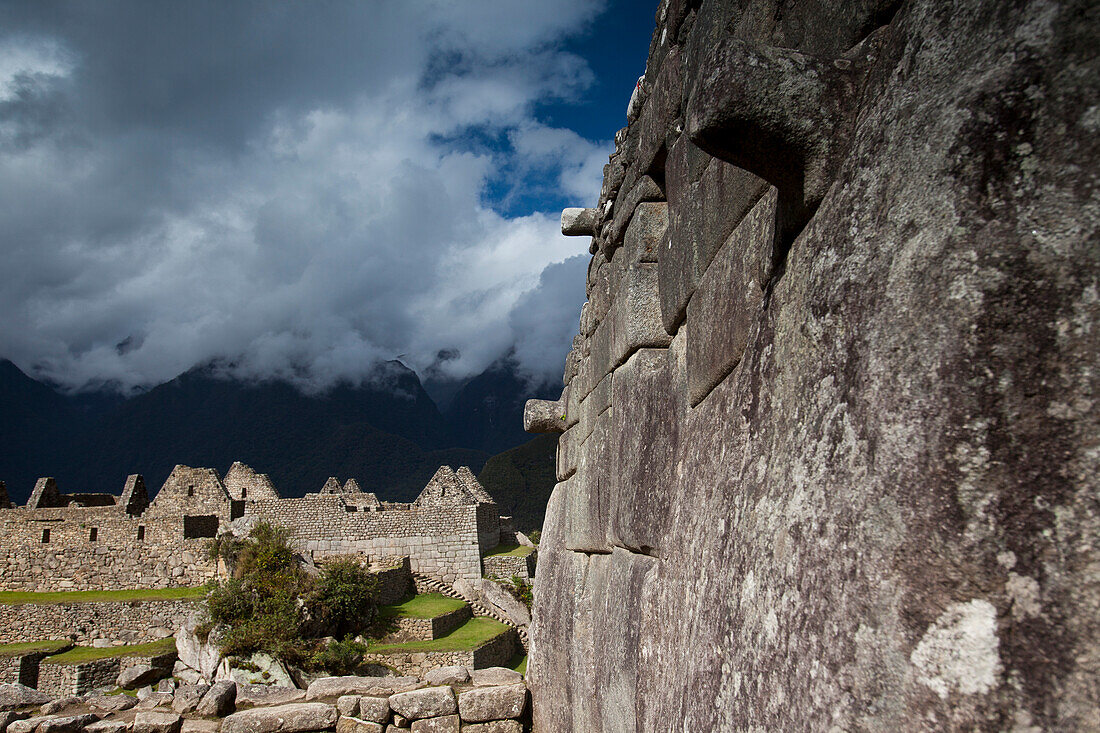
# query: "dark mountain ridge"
{"points": [[386, 431]]}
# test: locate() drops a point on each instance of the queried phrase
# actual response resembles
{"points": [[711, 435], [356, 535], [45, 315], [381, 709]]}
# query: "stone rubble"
{"points": [[493, 700]]}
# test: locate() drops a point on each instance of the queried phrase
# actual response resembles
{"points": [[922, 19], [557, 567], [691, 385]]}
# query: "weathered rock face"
{"points": [[855, 483]]}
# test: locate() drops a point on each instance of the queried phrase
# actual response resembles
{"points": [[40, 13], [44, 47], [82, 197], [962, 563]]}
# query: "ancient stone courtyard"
{"points": [[828, 447]]}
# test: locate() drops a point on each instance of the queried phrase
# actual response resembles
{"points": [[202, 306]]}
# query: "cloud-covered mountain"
{"points": [[385, 431], [296, 190]]}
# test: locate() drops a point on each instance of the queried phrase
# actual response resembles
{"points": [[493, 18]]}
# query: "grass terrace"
{"points": [[510, 551], [469, 635], [81, 654], [30, 647], [15, 597], [427, 605]]}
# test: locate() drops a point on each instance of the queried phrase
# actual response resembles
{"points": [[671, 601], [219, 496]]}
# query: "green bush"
{"points": [[340, 657], [260, 603], [521, 591], [271, 605], [344, 598]]}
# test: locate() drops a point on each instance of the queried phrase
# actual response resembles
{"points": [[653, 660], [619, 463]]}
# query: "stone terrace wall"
{"points": [[831, 458], [66, 680], [9, 670], [495, 653], [505, 566], [434, 628], [116, 559], [129, 622], [63, 680], [440, 541], [394, 584]]}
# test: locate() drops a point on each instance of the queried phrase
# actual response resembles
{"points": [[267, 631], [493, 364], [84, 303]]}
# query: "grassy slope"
{"points": [[427, 605], [470, 635], [95, 596], [521, 480], [27, 647], [510, 551], [80, 654]]}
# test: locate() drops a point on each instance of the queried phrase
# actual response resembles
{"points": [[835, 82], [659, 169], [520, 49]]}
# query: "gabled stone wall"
{"points": [[244, 484], [116, 559], [192, 492], [134, 543]]}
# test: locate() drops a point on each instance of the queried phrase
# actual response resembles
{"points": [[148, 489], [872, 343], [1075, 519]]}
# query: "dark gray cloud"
{"points": [[284, 186]]}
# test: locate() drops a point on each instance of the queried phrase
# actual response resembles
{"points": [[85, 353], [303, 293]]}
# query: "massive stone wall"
{"points": [[831, 451]]}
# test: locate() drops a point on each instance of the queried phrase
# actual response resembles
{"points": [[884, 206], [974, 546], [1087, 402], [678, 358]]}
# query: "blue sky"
{"points": [[299, 189]]}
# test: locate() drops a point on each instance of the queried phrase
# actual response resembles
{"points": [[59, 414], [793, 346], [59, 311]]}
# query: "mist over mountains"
{"points": [[387, 432]]}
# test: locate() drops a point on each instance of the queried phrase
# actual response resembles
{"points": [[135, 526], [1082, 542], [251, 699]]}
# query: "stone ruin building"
{"points": [[106, 542], [830, 447]]}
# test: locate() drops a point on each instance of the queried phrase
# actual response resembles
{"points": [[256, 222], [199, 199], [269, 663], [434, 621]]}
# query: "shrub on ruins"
{"points": [[260, 604], [266, 549], [343, 599], [339, 657], [521, 590], [261, 616], [270, 604]]}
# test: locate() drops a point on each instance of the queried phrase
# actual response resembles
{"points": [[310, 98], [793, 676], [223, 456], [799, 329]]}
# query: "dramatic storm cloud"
{"points": [[290, 189]]}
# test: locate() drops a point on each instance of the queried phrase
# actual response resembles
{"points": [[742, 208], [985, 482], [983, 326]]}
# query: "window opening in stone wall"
{"points": [[141, 533], [93, 534], [203, 526], [45, 536], [190, 490]]}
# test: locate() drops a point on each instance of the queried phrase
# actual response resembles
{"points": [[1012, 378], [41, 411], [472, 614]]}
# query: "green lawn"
{"points": [[28, 647], [80, 654], [519, 662], [510, 551], [470, 635], [427, 605], [15, 597]]}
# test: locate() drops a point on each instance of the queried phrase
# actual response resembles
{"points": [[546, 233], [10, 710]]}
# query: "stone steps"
{"points": [[424, 584]]}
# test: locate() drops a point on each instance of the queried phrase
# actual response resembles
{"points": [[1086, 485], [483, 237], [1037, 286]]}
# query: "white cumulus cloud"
{"points": [[293, 190]]}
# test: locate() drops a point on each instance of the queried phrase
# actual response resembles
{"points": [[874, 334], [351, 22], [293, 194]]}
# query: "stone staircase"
{"points": [[424, 584]]}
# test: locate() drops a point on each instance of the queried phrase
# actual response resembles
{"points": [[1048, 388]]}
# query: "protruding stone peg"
{"points": [[578, 222], [544, 416]]}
